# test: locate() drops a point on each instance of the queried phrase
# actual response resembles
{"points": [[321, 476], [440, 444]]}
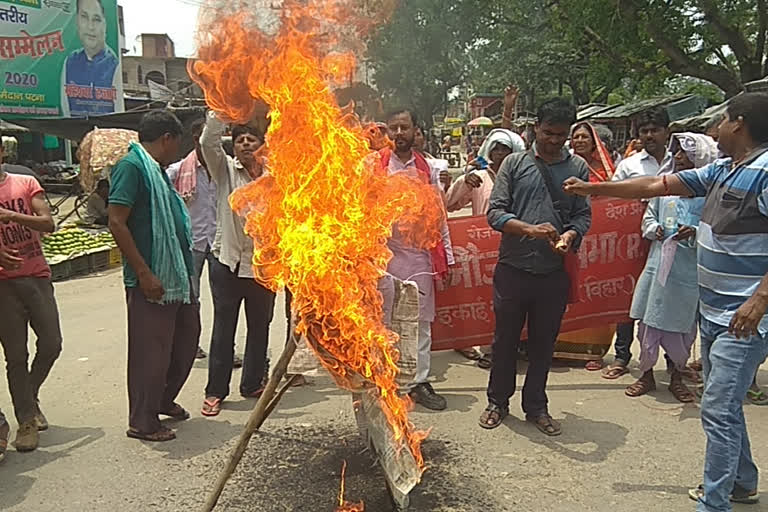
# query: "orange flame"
{"points": [[321, 219], [346, 506]]}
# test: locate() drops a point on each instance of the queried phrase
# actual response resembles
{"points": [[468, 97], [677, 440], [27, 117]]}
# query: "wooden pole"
{"points": [[261, 411]]}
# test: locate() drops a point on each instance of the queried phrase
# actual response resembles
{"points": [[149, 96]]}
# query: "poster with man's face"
{"points": [[59, 58]]}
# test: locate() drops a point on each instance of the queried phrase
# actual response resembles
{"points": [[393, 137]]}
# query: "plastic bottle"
{"points": [[669, 217]]}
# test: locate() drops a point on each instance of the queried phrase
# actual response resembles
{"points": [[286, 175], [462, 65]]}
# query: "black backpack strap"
{"points": [[558, 199]]}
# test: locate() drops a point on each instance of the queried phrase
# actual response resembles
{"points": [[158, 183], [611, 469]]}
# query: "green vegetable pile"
{"points": [[69, 241]]}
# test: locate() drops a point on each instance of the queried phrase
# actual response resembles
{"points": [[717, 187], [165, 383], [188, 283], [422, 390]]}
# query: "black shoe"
{"points": [[200, 354], [425, 395]]}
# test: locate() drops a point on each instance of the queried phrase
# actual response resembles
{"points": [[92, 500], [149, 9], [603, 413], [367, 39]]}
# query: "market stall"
{"points": [[75, 252]]}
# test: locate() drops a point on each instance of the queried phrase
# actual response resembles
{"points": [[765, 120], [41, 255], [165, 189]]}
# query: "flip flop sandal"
{"points": [[470, 353], [593, 366], [177, 412], [640, 388], [744, 497], [757, 397], [493, 414], [162, 435], [211, 407], [613, 372], [546, 424], [485, 362]]}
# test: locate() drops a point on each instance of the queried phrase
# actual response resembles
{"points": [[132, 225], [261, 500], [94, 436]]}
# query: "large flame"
{"points": [[321, 219]]}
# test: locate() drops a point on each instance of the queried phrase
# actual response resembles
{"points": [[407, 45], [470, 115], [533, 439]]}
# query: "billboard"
{"points": [[59, 58]]}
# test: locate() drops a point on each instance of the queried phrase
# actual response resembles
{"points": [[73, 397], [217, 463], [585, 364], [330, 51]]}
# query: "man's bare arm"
{"points": [[41, 220], [635, 188]]}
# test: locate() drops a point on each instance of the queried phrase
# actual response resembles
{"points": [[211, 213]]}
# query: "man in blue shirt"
{"points": [[733, 282], [89, 73]]}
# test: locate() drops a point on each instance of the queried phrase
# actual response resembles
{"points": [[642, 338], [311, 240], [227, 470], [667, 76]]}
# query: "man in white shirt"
{"points": [[653, 130], [409, 263], [232, 272]]}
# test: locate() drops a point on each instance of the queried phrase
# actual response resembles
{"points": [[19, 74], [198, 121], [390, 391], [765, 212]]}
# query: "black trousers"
{"points": [[229, 291], [541, 300]]}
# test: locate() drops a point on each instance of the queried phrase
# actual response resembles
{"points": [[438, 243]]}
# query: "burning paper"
{"points": [[321, 219]]}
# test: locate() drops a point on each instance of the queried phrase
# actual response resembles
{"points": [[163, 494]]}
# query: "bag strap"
{"points": [[554, 194]]}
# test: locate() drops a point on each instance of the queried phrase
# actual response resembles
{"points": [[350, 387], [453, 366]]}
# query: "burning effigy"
{"points": [[320, 219]]}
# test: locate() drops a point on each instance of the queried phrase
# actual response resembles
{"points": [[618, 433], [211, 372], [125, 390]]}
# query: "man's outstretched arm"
{"points": [[635, 188]]}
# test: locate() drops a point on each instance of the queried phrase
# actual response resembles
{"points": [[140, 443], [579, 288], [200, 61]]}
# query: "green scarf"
{"points": [[168, 262]]}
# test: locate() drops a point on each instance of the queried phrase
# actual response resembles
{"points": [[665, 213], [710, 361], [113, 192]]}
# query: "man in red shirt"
{"points": [[26, 298]]}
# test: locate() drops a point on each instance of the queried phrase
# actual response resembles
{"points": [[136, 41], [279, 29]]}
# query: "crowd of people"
{"points": [[706, 220]]}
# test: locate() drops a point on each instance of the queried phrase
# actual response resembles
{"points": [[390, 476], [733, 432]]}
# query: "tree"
{"points": [[720, 41], [424, 52]]}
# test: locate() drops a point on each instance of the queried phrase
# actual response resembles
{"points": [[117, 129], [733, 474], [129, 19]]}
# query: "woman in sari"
{"points": [[666, 303], [586, 143], [583, 344]]}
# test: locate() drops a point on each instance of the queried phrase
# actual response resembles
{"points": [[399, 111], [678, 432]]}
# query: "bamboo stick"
{"points": [[261, 411]]}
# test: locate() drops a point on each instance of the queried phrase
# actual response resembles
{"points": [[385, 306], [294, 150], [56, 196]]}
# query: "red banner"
{"points": [[611, 258]]}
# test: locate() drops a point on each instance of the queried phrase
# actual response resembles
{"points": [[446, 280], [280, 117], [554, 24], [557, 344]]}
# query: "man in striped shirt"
{"points": [[733, 279]]}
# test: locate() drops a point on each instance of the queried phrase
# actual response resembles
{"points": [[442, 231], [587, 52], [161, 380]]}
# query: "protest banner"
{"points": [[611, 258], [59, 58]]}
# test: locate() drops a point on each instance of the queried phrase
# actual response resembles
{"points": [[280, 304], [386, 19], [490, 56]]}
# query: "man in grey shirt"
{"points": [[540, 225]]}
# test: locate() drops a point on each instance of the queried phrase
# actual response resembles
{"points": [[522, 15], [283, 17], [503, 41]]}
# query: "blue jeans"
{"points": [[729, 366]]}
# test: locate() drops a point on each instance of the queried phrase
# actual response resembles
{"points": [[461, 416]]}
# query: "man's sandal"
{"points": [[162, 435], [492, 416], [614, 371], [177, 412], [737, 496], [546, 424], [640, 387], [681, 392], [211, 406], [757, 396]]}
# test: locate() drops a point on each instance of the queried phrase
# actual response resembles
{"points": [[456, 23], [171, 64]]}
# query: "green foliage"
{"points": [[593, 50], [424, 52]]}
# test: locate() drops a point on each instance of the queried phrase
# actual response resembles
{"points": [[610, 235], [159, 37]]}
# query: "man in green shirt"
{"points": [[151, 226]]}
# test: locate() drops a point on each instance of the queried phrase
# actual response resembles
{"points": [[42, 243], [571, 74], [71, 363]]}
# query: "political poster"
{"points": [[611, 258], [59, 58]]}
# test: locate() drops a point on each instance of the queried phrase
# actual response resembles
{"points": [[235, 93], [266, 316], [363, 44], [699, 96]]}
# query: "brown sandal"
{"points": [[492, 416], [546, 424], [177, 412], [162, 435], [614, 371], [680, 391], [640, 387], [691, 375]]}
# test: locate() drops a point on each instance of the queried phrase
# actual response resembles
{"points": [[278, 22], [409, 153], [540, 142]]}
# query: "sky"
{"points": [[177, 18]]}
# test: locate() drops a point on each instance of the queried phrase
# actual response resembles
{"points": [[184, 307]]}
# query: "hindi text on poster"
{"points": [[611, 258]]}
